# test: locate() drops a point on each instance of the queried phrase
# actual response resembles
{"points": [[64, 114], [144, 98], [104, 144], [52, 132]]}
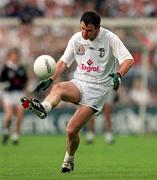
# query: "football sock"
{"points": [[15, 136], [108, 137], [68, 158], [90, 135], [47, 106]]}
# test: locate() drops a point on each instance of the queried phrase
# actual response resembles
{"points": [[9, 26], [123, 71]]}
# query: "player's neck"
{"points": [[95, 35]]}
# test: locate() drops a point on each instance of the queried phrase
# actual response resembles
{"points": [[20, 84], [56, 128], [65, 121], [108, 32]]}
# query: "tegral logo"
{"points": [[89, 68], [89, 62]]}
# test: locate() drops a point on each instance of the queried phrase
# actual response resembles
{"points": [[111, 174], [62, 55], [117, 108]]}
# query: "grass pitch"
{"points": [[40, 158]]}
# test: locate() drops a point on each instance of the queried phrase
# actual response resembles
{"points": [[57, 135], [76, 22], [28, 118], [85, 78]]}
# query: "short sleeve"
{"points": [[119, 50], [68, 56]]}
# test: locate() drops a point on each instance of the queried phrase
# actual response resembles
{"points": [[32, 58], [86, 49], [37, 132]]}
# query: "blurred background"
{"points": [[38, 27]]}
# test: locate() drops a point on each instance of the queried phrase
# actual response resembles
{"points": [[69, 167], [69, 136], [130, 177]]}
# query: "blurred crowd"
{"points": [[73, 8], [34, 40]]}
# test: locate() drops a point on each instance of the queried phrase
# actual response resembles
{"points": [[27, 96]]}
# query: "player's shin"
{"points": [[55, 100]]}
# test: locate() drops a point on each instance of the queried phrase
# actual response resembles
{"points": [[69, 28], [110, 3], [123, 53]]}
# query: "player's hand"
{"points": [[117, 79], [43, 85]]}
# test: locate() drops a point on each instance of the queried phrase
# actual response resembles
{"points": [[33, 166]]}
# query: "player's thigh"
{"points": [[69, 91], [78, 120], [8, 108]]}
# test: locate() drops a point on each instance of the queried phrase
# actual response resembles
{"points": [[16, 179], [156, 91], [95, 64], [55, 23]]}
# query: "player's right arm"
{"points": [[60, 68], [43, 85], [65, 61]]}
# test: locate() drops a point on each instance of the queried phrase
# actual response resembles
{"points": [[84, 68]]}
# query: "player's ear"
{"points": [[98, 28]]}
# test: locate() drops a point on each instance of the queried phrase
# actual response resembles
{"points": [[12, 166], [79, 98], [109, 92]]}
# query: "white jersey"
{"points": [[96, 59]]}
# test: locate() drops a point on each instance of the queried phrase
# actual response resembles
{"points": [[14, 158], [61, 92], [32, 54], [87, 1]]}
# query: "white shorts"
{"points": [[12, 98], [93, 95]]}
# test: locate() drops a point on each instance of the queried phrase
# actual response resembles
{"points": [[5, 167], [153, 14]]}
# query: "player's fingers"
{"points": [[45, 87], [37, 89], [111, 75]]}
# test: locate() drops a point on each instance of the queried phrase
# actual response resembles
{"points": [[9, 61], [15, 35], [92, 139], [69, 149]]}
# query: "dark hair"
{"points": [[14, 50], [91, 17]]}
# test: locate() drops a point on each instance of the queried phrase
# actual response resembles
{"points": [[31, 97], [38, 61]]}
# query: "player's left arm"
{"points": [[123, 69], [125, 59], [125, 66], [122, 54]]}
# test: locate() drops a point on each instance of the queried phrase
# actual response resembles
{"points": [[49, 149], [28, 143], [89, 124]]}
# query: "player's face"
{"points": [[89, 31], [14, 57]]}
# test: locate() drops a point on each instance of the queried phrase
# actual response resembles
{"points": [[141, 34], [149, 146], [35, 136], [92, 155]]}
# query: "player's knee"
{"points": [[70, 133], [55, 87]]}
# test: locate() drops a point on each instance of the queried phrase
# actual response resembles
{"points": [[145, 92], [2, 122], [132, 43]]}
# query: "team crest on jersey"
{"points": [[101, 52], [80, 50]]}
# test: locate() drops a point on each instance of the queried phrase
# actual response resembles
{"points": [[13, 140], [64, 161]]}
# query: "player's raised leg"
{"points": [[66, 91]]}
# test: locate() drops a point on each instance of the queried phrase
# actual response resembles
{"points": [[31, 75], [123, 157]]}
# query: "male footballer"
{"points": [[97, 52]]}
